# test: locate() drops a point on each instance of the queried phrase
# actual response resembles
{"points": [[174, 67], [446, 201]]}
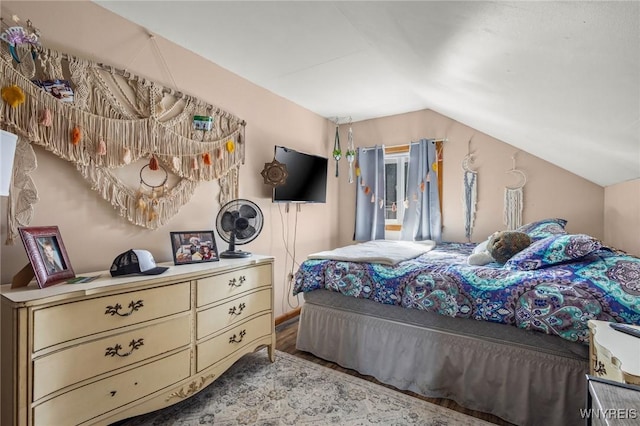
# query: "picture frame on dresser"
{"points": [[193, 247], [48, 258]]}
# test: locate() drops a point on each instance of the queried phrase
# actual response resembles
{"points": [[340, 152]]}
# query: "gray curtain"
{"points": [[369, 216], [422, 219]]}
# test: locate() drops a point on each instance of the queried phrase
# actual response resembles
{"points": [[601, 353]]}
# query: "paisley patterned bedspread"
{"points": [[557, 299]]}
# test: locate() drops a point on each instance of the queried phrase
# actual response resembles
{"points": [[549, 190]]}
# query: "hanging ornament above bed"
{"points": [[337, 153], [115, 119]]}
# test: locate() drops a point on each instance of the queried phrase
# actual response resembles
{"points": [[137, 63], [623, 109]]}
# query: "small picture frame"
{"points": [[193, 247], [47, 254]]}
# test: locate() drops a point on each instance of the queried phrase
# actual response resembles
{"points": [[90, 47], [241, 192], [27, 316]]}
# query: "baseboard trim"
{"points": [[286, 317]]}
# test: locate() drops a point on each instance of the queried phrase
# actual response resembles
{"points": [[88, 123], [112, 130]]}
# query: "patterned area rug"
{"points": [[293, 391]]}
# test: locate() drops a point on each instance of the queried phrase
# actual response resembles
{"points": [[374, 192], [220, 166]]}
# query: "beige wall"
{"points": [[622, 216], [91, 229], [94, 234], [550, 191]]}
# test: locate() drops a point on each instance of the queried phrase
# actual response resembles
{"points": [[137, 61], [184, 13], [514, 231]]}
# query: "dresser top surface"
{"points": [[105, 282], [623, 347]]}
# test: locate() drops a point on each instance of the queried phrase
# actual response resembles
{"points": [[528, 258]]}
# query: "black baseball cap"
{"points": [[136, 262]]}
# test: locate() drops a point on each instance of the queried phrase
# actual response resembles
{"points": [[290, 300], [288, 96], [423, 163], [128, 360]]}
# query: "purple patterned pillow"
{"points": [[543, 228], [553, 250]]}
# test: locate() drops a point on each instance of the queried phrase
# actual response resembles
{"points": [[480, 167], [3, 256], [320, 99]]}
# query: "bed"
{"points": [[510, 340]]}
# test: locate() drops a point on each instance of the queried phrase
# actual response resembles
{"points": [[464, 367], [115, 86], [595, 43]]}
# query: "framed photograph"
{"points": [[194, 247], [47, 254]]}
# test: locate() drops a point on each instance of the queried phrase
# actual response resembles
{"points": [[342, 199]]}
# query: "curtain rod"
{"points": [[407, 144]]}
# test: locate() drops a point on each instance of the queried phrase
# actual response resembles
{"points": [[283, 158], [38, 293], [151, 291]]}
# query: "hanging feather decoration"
{"points": [[13, 95], [126, 156], [45, 118], [153, 163], [176, 162], [206, 158], [76, 135], [194, 164], [230, 146], [102, 148]]}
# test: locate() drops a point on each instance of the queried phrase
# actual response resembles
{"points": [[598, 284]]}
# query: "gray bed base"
{"points": [[524, 377]]}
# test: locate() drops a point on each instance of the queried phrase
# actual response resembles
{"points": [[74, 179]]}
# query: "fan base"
{"points": [[234, 254]]}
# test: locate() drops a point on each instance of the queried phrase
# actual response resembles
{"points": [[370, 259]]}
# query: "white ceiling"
{"points": [[560, 80]]}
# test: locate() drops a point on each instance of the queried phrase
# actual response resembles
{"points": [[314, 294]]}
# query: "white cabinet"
{"points": [[107, 350]]}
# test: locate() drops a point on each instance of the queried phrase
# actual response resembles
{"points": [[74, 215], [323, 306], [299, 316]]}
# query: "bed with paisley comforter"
{"points": [[504, 339]]}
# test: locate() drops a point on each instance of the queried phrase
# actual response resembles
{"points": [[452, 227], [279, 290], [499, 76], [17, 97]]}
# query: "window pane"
{"points": [[391, 191]]}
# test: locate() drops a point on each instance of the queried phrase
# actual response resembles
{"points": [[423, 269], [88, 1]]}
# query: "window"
{"points": [[396, 163]]}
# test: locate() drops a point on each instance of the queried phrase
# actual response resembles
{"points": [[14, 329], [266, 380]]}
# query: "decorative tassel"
{"points": [[13, 95], [373, 198], [153, 163], [394, 207], [219, 154], [428, 177], [422, 185], [230, 146], [102, 148], [367, 190], [126, 156], [45, 118], [76, 135], [194, 164], [206, 157], [381, 203], [176, 163]]}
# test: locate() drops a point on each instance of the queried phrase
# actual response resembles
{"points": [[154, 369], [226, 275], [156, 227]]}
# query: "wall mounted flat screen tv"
{"points": [[307, 179]]}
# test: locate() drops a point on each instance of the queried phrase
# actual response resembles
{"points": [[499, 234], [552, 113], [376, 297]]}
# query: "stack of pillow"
{"points": [[533, 246]]}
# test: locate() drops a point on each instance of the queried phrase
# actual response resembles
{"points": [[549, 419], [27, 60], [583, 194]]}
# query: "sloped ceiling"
{"points": [[560, 80]]}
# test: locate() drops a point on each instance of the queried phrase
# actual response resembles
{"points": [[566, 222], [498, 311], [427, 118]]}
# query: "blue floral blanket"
{"points": [[553, 290]]}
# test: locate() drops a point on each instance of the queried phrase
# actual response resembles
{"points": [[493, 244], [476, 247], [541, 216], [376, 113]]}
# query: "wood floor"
{"points": [[287, 332]]}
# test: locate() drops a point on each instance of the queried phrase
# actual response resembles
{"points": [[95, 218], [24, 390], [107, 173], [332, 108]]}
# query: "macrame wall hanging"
{"points": [[514, 199], [470, 193], [337, 152], [109, 119]]}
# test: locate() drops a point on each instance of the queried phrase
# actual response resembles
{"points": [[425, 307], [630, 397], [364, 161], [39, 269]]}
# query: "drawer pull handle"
{"points": [[113, 351], [237, 283], [133, 306], [237, 310], [113, 393], [233, 338]]}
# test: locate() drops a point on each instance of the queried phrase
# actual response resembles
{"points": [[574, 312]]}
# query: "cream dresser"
{"points": [[614, 355], [103, 351]]}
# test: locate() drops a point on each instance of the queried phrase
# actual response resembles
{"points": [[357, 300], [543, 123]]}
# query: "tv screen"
{"points": [[307, 179]]}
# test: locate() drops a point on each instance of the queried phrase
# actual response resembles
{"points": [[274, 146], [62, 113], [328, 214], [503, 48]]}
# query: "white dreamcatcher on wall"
{"points": [[470, 192], [514, 198]]}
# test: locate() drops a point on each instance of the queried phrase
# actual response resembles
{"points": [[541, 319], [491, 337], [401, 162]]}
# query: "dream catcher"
{"points": [[470, 192], [514, 198], [153, 186]]}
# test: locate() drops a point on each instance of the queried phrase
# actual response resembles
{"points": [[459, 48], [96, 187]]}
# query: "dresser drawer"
{"points": [[218, 287], [215, 349], [217, 318], [92, 400], [69, 321], [77, 363]]}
